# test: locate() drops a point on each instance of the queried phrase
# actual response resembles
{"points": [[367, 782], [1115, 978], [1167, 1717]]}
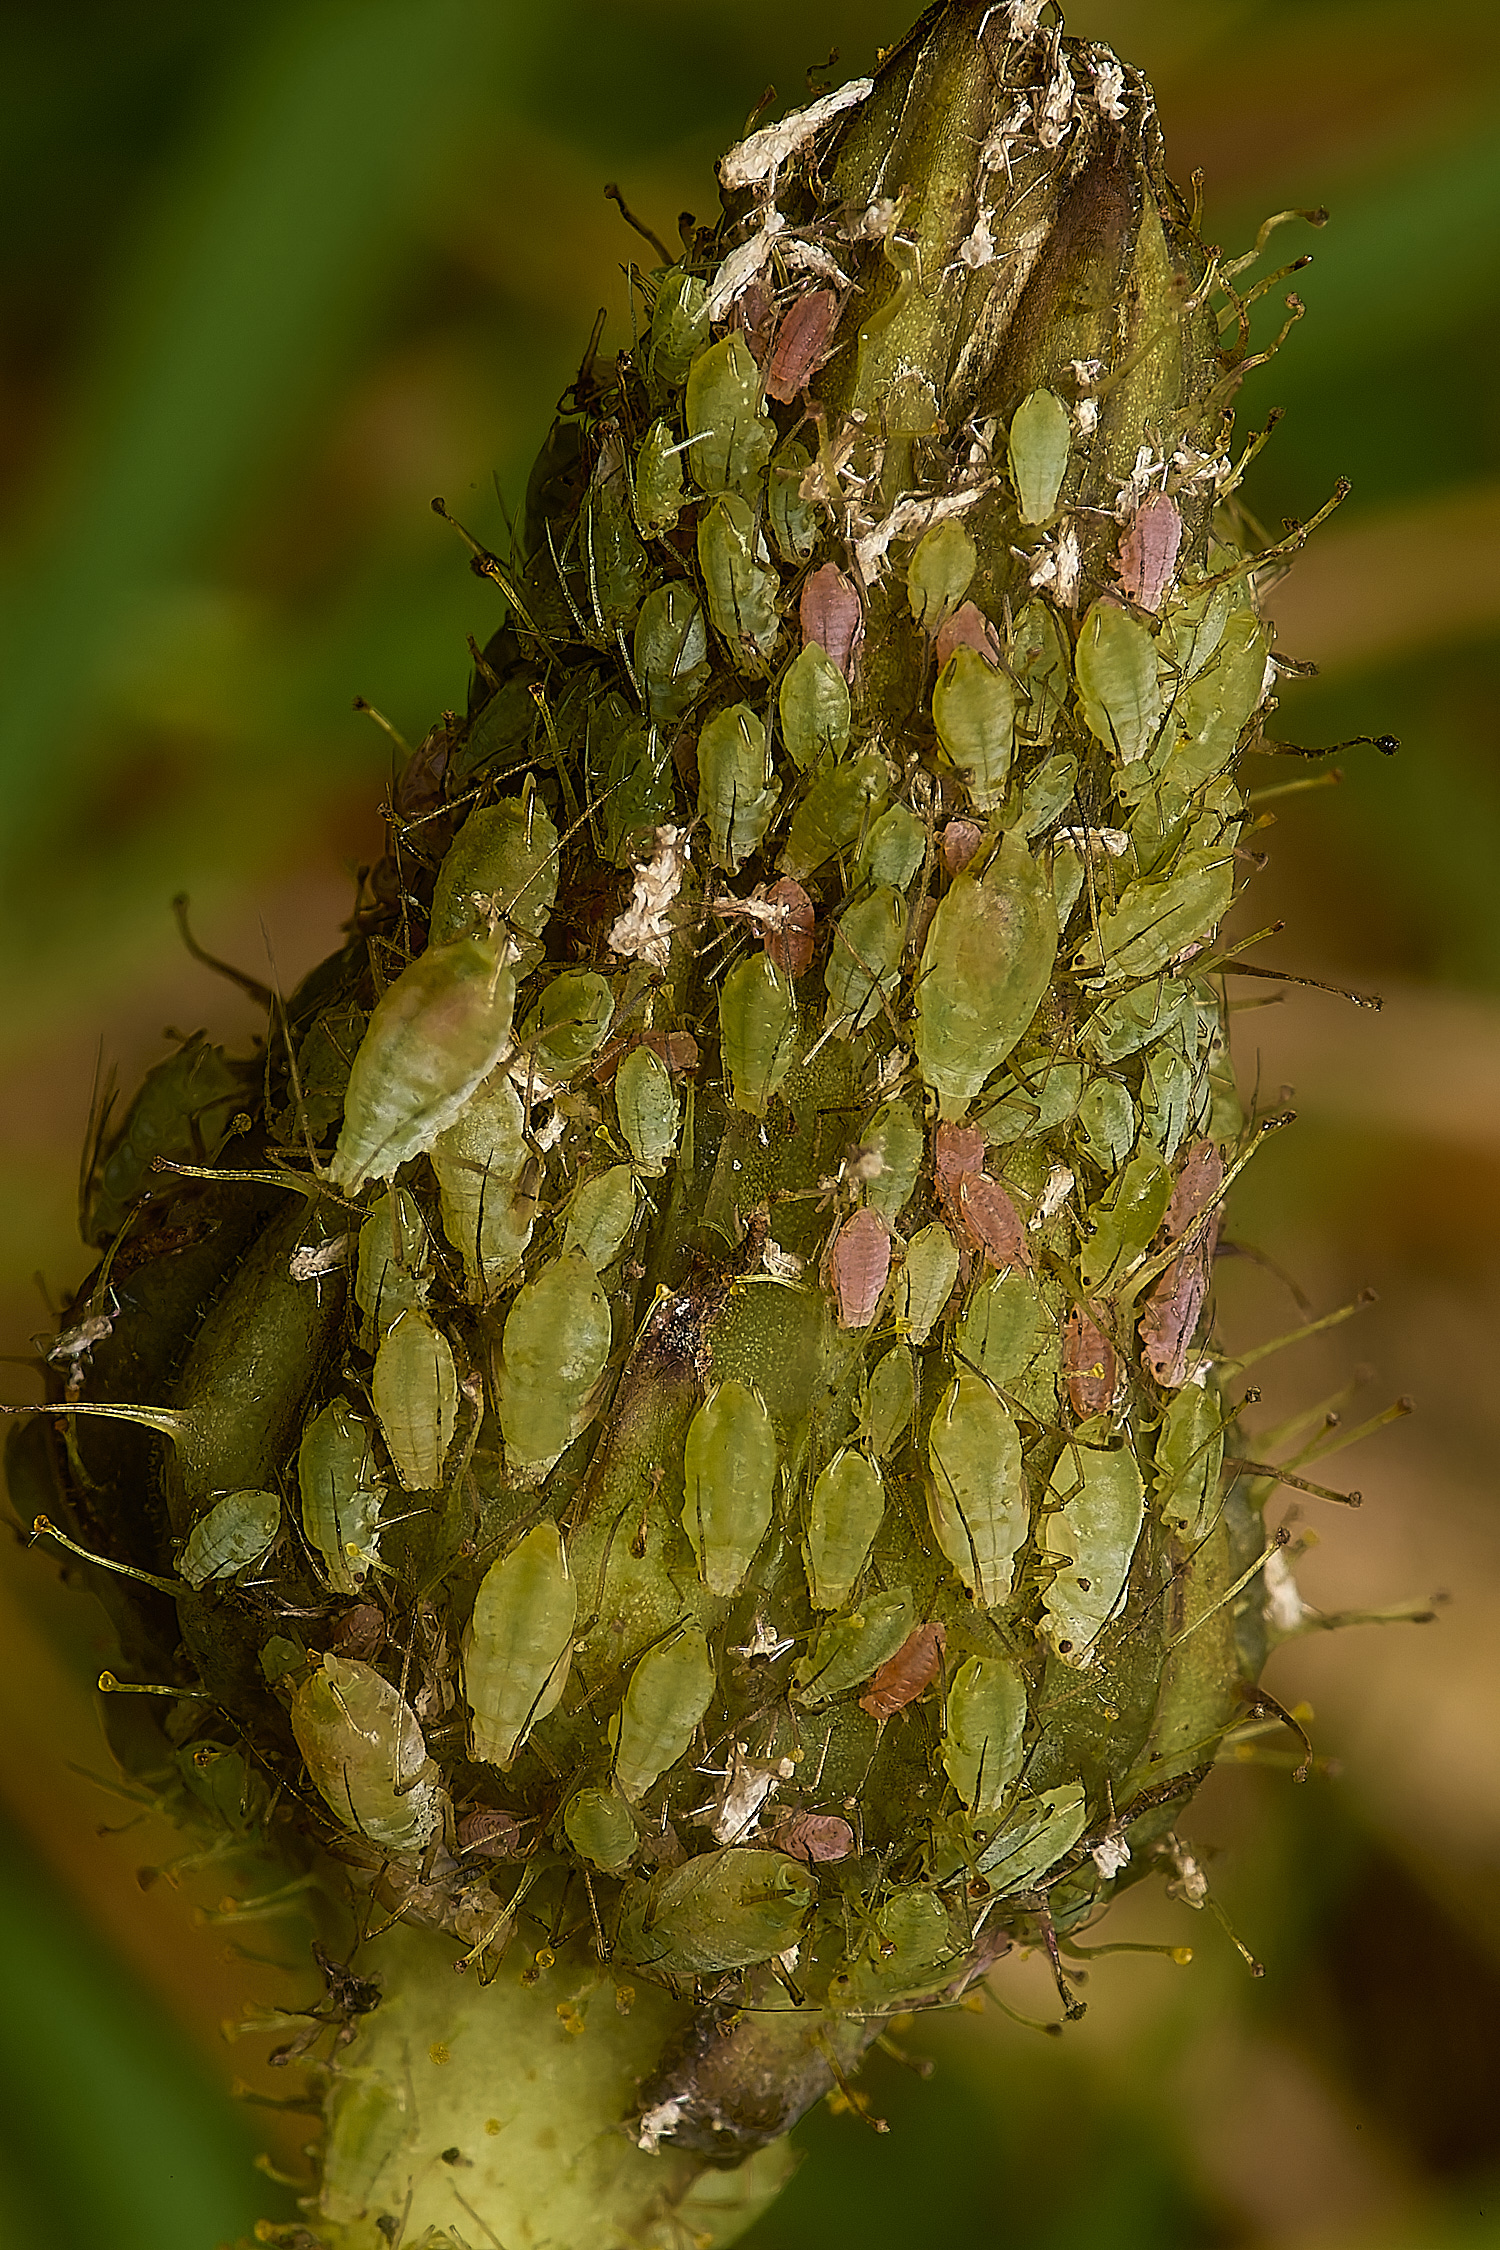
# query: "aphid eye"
{"points": [[729, 1467], [1040, 434], [519, 1644]]}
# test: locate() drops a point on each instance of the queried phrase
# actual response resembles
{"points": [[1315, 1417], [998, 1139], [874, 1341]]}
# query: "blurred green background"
{"points": [[272, 277]]}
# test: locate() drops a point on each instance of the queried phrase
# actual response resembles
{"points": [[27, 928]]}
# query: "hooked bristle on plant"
{"points": [[670, 1420]]}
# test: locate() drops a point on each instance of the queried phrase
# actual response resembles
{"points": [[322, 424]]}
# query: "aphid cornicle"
{"points": [[669, 1691], [366, 1755], [729, 1473], [519, 1645]]}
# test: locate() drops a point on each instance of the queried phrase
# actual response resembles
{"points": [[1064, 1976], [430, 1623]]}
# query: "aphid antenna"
{"points": [[1334, 1437], [1244, 1360], [1239, 306], [1267, 746], [1281, 1539], [108, 1684], [613, 195], [251, 986], [489, 566], [854, 2101], [1269, 1470]]}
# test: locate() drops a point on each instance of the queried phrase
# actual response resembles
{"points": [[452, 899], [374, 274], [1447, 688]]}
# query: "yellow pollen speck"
{"points": [[492, 2125], [438, 2051]]}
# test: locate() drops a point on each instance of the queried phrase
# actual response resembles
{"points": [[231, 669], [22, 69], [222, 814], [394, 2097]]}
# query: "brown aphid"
{"points": [[801, 344], [1148, 550], [957, 1153], [992, 1222], [491, 1833], [1199, 1179], [677, 1049], [359, 1632], [859, 1265], [1170, 1318], [789, 940], [961, 840], [831, 615], [902, 1677], [814, 1837], [755, 315], [968, 627], [1090, 1366]]}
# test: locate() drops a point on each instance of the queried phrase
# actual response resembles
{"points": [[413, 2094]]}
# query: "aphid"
{"points": [[839, 805], [1090, 1366], [724, 1910], [1170, 1319], [554, 1351], [646, 1106], [365, 1754], [983, 1743], [671, 650], [1117, 680], [1189, 1457], [1050, 788], [864, 959], [1123, 1229], [359, 1632], [851, 1648], [659, 492], [911, 1948], [613, 557], [490, 1833], [669, 1691], [793, 520], [740, 586], [816, 1837], [977, 1498], [630, 767], [602, 1214], [985, 967], [182, 1112], [1040, 433], [830, 615], [957, 1152], [893, 850], [729, 431], [1093, 1535], [814, 706], [1040, 1832], [928, 1273], [393, 1272], [974, 711], [848, 1505], [519, 1644], [991, 1221], [503, 861], [415, 1391], [730, 1462], [968, 627], [235, 1532], [1138, 1018], [568, 1023], [1039, 662], [1044, 1100], [891, 1156], [937, 577], [1148, 550], [341, 1493], [890, 1401], [789, 939], [599, 1827], [859, 1265], [436, 1034], [480, 1164], [1154, 921], [1199, 1179], [1212, 709], [802, 345], [907, 1674], [1000, 1328], [961, 840], [679, 325], [757, 1031], [1169, 1088], [736, 784], [1106, 1122]]}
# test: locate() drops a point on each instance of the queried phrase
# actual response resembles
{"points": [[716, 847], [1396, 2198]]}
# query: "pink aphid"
{"points": [[957, 1153], [992, 1222], [1090, 1367], [801, 345], [755, 315], [1170, 1318], [968, 627], [1199, 1179], [961, 840], [902, 1677], [832, 617], [814, 1836], [859, 1265], [492, 1834], [789, 939], [1148, 551]]}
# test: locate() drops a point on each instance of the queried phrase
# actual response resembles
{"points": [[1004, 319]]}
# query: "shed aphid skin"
{"points": [[672, 1416]]}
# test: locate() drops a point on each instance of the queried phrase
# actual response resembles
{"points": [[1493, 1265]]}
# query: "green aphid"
{"points": [[729, 430], [736, 785], [393, 1268], [848, 1504], [1211, 710], [1046, 794], [893, 1147], [601, 1216], [893, 850], [910, 1949], [738, 582], [1106, 1122], [814, 706], [554, 1352], [480, 1164], [984, 1739], [1189, 1457], [324, 1061], [671, 651], [864, 959], [974, 711], [519, 1644], [679, 326], [415, 1392], [1041, 1831], [633, 781], [341, 1490], [851, 1648], [1124, 1229], [436, 1034], [1137, 1019], [730, 1464], [599, 1826], [647, 1108], [841, 803], [502, 862], [1091, 1533], [1170, 1108], [568, 1023], [1040, 435], [724, 1910], [670, 1689], [660, 495], [365, 1754], [1116, 666], [1039, 662], [938, 575], [182, 1113], [1002, 1326], [1040, 1103], [925, 1282], [977, 1497], [614, 561], [793, 520], [1153, 922], [757, 1031], [985, 968], [235, 1533], [890, 1401]]}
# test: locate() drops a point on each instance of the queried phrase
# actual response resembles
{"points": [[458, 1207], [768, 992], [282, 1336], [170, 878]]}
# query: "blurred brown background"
{"points": [[272, 277]]}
